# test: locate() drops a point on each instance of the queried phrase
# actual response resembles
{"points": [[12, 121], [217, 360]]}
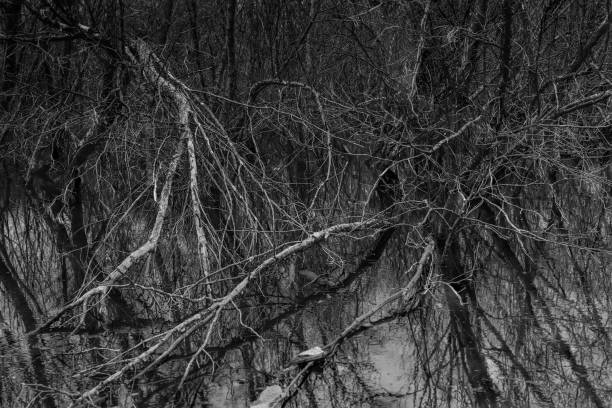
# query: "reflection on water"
{"points": [[372, 369], [381, 365]]}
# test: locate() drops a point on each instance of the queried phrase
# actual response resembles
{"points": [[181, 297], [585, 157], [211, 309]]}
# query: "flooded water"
{"points": [[372, 369]]}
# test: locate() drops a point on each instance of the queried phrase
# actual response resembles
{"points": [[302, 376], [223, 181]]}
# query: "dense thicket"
{"points": [[192, 190]]}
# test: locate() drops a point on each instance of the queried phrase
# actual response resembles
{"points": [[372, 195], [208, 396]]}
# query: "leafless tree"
{"points": [[198, 190]]}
